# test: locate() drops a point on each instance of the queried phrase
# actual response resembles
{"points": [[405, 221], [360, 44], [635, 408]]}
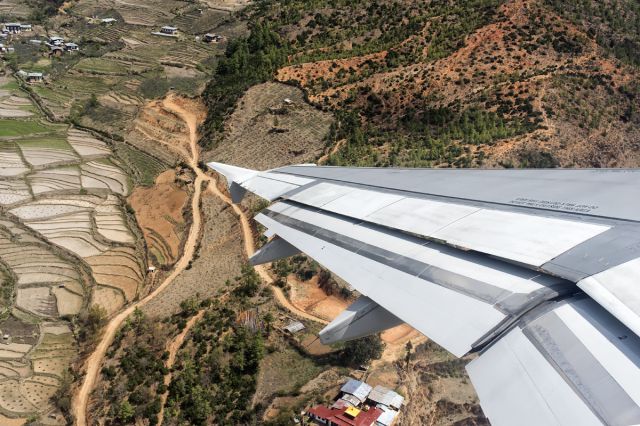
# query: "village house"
{"points": [[108, 21], [34, 77], [167, 30], [294, 327], [56, 51], [212, 38], [26, 27], [56, 41], [13, 28], [71, 47], [346, 416]]}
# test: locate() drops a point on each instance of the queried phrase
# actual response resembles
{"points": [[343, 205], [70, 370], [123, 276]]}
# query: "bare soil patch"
{"points": [[160, 212]]}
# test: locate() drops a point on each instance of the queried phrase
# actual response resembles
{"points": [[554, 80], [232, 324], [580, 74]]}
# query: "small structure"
{"points": [[348, 416], [151, 269], [212, 38], [71, 47], [360, 390], [387, 417], [13, 27], [167, 30], [294, 327], [385, 396], [34, 77], [287, 101], [108, 21], [56, 41], [35, 41]]}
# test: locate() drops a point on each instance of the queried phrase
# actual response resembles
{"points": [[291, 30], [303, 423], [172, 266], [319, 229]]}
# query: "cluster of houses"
{"points": [[57, 45], [359, 405]]}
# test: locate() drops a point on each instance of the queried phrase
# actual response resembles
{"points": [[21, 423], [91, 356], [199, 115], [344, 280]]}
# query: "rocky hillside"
{"points": [[463, 83]]}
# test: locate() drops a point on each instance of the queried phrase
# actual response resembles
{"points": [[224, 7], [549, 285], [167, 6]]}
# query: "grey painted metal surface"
{"points": [[574, 364], [476, 260], [275, 249], [617, 289], [432, 287], [613, 193], [356, 388], [362, 318], [387, 397]]}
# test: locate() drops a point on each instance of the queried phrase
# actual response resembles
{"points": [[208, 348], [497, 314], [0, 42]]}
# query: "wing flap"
{"points": [[362, 318], [569, 363], [424, 284]]}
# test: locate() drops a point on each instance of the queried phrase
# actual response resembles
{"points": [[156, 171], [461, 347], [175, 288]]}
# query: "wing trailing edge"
{"points": [[493, 262]]}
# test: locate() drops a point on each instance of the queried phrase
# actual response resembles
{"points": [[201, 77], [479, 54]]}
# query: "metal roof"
{"points": [[294, 327], [356, 388], [387, 397], [387, 417]]}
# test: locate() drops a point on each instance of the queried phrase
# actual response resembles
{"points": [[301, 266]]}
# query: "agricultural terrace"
{"points": [[66, 244], [121, 66]]}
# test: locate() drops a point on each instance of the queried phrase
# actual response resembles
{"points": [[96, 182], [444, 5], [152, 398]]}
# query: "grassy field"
{"points": [[101, 66], [50, 141], [17, 128], [141, 167]]}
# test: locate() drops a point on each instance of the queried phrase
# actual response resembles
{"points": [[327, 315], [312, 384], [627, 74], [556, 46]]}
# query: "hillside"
{"points": [[463, 83]]}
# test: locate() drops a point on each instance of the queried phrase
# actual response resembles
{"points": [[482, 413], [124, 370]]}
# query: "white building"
{"points": [[169, 30], [71, 47], [13, 27]]}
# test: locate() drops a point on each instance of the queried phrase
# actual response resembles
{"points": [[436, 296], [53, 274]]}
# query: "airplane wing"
{"points": [[534, 269]]}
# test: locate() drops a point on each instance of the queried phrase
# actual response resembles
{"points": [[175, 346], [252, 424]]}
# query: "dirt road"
{"points": [[247, 233], [93, 363]]}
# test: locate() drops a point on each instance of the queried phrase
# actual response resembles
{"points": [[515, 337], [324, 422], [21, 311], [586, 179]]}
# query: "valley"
{"points": [[121, 252]]}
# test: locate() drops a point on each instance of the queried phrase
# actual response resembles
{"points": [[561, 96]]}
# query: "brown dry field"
{"points": [[219, 258], [159, 211], [309, 297], [263, 132]]}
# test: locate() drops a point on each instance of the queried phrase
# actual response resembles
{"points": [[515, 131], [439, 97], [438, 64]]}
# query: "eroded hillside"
{"points": [[462, 83]]}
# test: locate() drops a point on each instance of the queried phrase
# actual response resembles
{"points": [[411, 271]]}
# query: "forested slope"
{"points": [[461, 83]]}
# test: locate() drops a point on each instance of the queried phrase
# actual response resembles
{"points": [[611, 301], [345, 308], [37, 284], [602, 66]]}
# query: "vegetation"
{"points": [[215, 377], [247, 61], [614, 24], [91, 323], [361, 351], [13, 128], [135, 379]]}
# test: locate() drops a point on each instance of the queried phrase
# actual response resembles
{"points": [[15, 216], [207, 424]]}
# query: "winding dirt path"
{"points": [[93, 363], [247, 233]]}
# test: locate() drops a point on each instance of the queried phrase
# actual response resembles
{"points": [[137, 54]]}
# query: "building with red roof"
{"points": [[345, 416]]}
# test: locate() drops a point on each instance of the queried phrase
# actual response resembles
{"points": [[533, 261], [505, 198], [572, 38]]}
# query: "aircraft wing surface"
{"points": [[490, 261]]}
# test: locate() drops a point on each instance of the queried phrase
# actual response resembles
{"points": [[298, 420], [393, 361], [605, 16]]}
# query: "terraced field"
{"points": [[117, 63], [65, 243]]}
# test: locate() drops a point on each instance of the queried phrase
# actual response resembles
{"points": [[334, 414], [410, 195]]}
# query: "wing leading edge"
{"points": [[476, 273]]}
